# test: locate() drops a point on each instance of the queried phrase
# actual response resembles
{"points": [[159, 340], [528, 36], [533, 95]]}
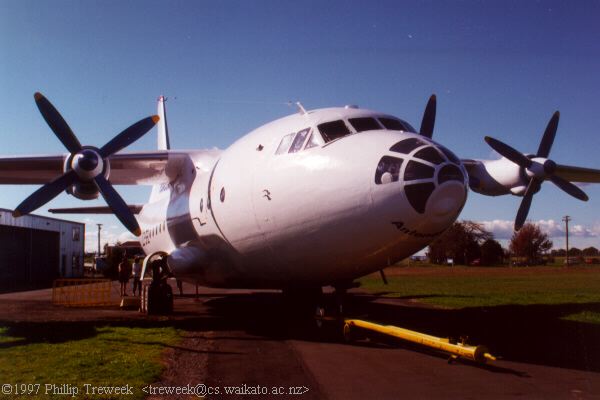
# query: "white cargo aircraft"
{"points": [[316, 198]]}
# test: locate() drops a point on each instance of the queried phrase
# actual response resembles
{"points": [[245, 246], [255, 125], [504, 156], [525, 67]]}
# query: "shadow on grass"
{"points": [[530, 334]]}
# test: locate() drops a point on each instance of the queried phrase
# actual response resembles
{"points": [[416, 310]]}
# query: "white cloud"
{"points": [[126, 236], [107, 236], [503, 229]]}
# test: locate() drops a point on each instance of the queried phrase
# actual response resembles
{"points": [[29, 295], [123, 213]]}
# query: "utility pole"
{"points": [[99, 229], [566, 218]]}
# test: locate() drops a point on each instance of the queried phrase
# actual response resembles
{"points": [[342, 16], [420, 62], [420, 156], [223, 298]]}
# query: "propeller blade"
{"points": [[428, 121], [532, 188], [548, 138], [569, 188], [57, 123], [45, 193], [128, 136], [117, 205], [508, 152]]}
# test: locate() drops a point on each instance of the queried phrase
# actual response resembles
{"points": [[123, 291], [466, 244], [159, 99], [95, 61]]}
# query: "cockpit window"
{"points": [[451, 156], [285, 144], [312, 141], [396, 124], [333, 130], [388, 170], [418, 195], [416, 170], [450, 173], [430, 154], [299, 140], [364, 124], [407, 145]]}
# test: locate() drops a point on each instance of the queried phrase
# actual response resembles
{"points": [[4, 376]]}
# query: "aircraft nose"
{"points": [[427, 176], [447, 199]]}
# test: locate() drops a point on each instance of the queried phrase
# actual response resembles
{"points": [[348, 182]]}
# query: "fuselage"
{"points": [[311, 199]]}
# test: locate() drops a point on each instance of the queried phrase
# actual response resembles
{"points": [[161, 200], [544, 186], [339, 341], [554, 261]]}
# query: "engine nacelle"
{"points": [[498, 177], [187, 261], [84, 190]]}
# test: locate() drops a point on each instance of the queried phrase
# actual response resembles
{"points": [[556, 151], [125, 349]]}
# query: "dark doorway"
{"points": [[28, 258]]}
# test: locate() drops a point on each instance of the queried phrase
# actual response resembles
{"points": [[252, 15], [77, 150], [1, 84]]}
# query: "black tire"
{"points": [[159, 299]]}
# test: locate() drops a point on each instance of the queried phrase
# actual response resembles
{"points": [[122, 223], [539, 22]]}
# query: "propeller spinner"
{"points": [[538, 168], [87, 164]]}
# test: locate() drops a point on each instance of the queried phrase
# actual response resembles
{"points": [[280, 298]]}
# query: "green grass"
{"points": [[591, 317], [112, 356], [489, 290]]}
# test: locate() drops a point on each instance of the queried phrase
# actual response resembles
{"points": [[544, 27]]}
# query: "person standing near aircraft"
{"points": [[124, 274], [137, 273]]}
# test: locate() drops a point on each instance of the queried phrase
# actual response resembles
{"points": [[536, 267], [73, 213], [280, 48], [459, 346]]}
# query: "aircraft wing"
{"points": [[578, 174], [139, 168], [30, 170]]}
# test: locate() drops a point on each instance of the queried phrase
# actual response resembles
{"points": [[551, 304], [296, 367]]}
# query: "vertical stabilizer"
{"points": [[163, 130], [162, 140]]}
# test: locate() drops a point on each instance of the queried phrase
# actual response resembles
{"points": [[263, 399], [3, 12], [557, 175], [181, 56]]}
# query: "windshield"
{"points": [[396, 124], [364, 124], [333, 130]]}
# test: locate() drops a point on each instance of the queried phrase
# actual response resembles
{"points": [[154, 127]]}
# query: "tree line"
{"points": [[467, 243]]}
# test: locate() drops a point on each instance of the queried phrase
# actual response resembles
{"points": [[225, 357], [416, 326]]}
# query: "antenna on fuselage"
{"points": [[301, 108]]}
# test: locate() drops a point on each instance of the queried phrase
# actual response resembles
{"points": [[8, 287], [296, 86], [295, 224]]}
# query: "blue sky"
{"points": [[499, 68]]}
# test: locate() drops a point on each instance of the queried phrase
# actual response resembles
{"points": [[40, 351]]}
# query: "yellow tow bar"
{"points": [[478, 354]]}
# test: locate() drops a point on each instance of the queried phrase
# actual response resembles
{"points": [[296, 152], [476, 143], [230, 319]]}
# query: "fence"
{"points": [[82, 292]]}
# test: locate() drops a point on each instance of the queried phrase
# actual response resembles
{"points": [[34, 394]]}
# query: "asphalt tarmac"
{"points": [[249, 339]]}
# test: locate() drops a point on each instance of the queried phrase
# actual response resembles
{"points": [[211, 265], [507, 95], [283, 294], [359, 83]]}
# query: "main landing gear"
{"points": [[157, 297]]}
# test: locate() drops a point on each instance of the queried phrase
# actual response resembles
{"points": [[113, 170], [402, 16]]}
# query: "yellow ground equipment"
{"points": [[82, 292], [478, 354]]}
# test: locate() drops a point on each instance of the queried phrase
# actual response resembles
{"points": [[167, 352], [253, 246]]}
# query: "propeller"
{"points": [[86, 164], [428, 121], [538, 168]]}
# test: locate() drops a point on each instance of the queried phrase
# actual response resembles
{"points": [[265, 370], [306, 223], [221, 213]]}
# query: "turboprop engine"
{"points": [[521, 174]]}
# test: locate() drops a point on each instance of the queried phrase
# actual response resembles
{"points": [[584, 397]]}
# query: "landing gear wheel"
{"points": [[301, 302], [158, 299]]}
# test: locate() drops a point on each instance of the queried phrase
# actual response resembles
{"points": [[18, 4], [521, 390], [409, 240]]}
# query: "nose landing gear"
{"points": [[338, 309]]}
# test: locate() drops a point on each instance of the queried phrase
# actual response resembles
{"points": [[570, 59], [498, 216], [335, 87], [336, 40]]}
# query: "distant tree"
{"points": [[590, 252], [574, 252], [530, 242], [558, 253], [460, 242], [492, 252]]}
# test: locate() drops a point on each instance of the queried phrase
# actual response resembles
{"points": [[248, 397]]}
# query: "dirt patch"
{"points": [[185, 364]]}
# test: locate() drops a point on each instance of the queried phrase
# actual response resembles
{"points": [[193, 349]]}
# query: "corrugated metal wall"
{"points": [[29, 258], [36, 250]]}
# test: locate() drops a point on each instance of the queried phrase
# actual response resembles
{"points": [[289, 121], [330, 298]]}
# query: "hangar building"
{"points": [[35, 250]]}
